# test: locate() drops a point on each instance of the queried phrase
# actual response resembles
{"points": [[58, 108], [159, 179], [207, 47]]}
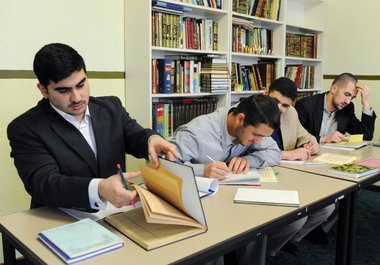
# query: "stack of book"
{"points": [[214, 75]]}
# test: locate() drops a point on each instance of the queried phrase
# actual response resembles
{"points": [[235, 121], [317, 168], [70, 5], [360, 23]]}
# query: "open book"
{"points": [[332, 158], [353, 142], [354, 170], [171, 208]]}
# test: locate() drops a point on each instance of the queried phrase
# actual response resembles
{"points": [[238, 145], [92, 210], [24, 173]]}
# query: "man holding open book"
{"points": [[67, 147]]}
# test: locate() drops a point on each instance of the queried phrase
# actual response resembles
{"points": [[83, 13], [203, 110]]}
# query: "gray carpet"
{"points": [[367, 237]]}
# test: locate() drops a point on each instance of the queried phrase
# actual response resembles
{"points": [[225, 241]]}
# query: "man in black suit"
{"points": [[330, 115], [67, 147]]}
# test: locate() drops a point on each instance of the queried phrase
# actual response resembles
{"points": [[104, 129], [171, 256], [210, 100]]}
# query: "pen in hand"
{"points": [[125, 183]]}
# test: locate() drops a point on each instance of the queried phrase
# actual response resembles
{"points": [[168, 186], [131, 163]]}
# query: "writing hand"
{"points": [[217, 170], [312, 146]]}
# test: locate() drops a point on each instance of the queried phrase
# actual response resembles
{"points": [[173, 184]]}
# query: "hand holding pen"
{"points": [[125, 183], [112, 189], [216, 169]]}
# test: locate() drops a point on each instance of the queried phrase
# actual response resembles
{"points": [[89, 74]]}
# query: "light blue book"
{"points": [[80, 240]]}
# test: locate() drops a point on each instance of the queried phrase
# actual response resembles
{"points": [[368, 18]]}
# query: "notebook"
{"points": [[80, 240], [267, 197]]}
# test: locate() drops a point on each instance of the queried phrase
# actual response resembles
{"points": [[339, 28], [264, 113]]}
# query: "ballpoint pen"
{"points": [[125, 183], [212, 160]]}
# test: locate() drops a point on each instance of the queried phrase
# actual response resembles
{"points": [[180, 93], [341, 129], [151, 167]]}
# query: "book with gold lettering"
{"points": [[171, 209]]}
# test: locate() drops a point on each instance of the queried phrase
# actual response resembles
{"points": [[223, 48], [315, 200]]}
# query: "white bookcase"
{"points": [[296, 16]]}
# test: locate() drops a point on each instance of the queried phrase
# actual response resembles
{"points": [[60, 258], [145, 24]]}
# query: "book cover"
{"points": [[171, 208], [354, 170], [80, 240], [267, 197]]}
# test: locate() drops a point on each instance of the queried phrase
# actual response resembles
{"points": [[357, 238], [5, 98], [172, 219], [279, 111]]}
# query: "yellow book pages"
{"points": [[148, 235], [165, 184], [355, 138], [157, 210]]}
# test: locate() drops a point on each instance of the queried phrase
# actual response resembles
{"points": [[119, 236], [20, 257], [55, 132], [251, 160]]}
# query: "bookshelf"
{"points": [[302, 17]]}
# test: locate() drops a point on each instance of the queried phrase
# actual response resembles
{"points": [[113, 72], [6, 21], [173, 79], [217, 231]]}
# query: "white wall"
{"points": [[95, 28], [352, 45]]}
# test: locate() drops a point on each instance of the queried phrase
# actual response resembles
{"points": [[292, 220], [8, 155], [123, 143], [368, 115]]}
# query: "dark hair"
{"points": [[285, 86], [259, 109], [344, 78], [55, 62]]}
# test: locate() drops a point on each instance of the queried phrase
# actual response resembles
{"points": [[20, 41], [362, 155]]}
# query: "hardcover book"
{"points": [[354, 170], [80, 240], [171, 208]]}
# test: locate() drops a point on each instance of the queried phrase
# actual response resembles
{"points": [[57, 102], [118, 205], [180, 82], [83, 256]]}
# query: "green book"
{"points": [[80, 240], [354, 170]]}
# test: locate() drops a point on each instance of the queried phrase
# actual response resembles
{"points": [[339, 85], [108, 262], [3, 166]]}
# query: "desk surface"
{"points": [[362, 153], [229, 224]]}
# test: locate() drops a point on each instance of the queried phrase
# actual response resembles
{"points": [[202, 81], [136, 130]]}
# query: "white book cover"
{"points": [[267, 197]]}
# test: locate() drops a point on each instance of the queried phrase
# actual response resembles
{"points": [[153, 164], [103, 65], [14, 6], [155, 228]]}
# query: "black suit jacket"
{"points": [[54, 160], [310, 112]]}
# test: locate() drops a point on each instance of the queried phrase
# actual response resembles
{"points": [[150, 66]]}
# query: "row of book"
{"points": [[301, 45], [189, 74], [207, 3], [302, 75], [252, 40], [269, 9], [252, 77], [169, 114], [174, 31]]}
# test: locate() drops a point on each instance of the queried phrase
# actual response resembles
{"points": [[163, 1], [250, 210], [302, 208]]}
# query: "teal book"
{"points": [[80, 240]]}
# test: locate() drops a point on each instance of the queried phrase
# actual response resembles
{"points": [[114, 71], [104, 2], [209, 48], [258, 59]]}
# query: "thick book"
{"points": [[354, 170], [80, 240], [171, 208], [267, 197]]}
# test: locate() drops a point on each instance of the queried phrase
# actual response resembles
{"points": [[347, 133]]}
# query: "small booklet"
{"points": [[80, 240], [207, 186], [267, 197], [171, 207], [354, 170], [252, 177], [267, 175]]}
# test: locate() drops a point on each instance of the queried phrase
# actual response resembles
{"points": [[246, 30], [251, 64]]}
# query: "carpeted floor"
{"points": [[367, 237]]}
